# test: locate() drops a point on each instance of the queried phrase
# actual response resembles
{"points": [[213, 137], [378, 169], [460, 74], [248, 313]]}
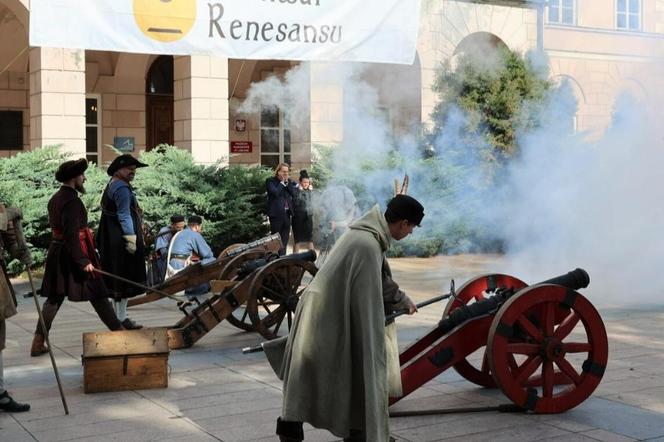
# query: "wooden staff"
{"points": [[136, 284], [48, 342]]}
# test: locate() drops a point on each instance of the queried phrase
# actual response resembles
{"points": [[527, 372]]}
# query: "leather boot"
{"points": [[289, 431], [10, 405], [128, 324], [358, 436], [38, 347]]}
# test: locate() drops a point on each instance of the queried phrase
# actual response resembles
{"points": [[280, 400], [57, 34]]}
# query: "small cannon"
{"points": [[269, 287], [193, 275], [544, 345], [250, 278]]}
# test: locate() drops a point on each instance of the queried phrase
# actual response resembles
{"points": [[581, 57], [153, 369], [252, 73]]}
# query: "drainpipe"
{"points": [[540, 25]]}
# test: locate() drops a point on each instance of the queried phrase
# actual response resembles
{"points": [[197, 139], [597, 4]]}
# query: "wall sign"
{"points": [[242, 146], [240, 125], [124, 144]]}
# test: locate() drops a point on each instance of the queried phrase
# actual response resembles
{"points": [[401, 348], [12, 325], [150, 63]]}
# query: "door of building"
{"points": [[159, 102], [159, 120]]}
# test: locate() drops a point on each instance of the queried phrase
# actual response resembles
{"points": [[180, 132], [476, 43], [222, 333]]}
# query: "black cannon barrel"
{"points": [[575, 280], [309, 255], [248, 267]]}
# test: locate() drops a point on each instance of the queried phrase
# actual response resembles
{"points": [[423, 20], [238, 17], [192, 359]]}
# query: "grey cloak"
{"points": [[335, 364]]}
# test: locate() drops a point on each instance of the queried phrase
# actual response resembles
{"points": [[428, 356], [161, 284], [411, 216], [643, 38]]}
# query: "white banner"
{"points": [[329, 30]]}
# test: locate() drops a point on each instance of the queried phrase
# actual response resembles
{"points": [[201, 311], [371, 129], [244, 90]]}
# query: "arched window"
{"points": [[159, 102], [160, 76]]}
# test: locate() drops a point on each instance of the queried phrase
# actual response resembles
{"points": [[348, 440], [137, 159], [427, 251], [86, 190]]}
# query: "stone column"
{"points": [[57, 99], [201, 107]]}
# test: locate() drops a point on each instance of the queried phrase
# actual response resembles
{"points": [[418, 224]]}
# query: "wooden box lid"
{"points": [[125, 342]]}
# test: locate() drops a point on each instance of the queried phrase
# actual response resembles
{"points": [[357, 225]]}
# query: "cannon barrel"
{"points": [[248, 267], [309, 255], [575, 280]]}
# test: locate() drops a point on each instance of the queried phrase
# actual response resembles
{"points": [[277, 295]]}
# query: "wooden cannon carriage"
{"points": [[544, 345], [249, 278], [270, 292]]}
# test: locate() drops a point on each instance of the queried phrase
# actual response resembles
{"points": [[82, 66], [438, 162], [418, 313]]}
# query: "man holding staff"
{"points": [[120, 236], [71, 258]]}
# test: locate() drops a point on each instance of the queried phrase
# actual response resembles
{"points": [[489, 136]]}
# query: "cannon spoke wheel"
{"points": [[274, 293], [240, 316], [544, 336], [474, 290]]}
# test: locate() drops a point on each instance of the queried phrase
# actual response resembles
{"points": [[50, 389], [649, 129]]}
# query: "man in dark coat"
{"points": [[120, 236], [71, 258], [280, 193]]}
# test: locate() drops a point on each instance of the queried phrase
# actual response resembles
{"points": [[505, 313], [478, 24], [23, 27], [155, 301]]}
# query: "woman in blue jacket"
{"points": [[280, 193]]}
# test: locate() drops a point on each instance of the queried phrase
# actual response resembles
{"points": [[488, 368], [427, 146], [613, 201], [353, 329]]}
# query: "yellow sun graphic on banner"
{"points": [[165, 20]]}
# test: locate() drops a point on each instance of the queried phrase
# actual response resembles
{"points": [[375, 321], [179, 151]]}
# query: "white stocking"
{"points": [[121, 309]]}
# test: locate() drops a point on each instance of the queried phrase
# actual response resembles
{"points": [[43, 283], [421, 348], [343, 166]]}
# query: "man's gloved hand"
{"points": [[25, 257], [130, 243]]}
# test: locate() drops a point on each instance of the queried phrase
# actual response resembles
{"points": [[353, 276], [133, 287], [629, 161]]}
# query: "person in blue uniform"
{"points": [[120, 236], [162, 242], [189, 247]]}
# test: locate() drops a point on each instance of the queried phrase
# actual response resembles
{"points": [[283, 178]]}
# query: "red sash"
{"points": [[87, 241]]}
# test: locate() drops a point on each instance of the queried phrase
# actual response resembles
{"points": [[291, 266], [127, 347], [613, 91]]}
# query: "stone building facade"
{"points": [[89, 100]]}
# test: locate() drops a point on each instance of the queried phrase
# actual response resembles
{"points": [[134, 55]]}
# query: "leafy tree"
{"points": [[498, 100]]}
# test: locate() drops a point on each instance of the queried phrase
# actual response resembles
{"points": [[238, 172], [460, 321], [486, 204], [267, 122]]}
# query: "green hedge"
{"points": [[231, 200]]}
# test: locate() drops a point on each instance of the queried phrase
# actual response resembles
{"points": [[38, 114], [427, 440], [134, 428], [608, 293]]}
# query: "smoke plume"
{"points": [[563, 202]]}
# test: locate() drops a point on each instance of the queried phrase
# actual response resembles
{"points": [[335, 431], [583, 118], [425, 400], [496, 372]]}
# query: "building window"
{"points": [[275, 137], [92, 128], [628, 14], [11, 130], [562, 12]]}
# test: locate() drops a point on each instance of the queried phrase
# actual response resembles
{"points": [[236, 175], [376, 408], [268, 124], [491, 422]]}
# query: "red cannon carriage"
{"points": [[544, 345]]}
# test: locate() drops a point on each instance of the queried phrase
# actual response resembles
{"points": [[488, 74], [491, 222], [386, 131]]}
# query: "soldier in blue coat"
{"points": [[120, 236], [162, 242], [189, 247]]}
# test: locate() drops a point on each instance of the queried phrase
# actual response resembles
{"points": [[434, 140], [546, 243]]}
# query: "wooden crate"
{"points": [[125, 360]]}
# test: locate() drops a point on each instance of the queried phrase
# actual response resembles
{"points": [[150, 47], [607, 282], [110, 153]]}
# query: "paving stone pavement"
{"points": [[217, 394]]}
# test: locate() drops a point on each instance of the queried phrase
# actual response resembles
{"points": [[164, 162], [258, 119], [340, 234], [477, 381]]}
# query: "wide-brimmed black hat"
{"points": [[406, 207], [71, 169], [125, 160]]}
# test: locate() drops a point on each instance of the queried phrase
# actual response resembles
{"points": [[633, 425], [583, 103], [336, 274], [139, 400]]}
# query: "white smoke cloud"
{"points": [[565, 202], [593, 205]]}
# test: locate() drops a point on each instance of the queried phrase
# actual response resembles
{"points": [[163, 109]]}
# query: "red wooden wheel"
{"points": [[531, 350], [475, 290]]}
